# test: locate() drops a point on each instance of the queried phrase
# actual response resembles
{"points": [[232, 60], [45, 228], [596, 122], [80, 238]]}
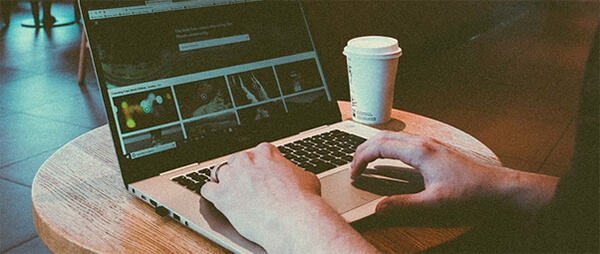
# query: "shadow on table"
{"points": [[464, 216], [392, 125]]}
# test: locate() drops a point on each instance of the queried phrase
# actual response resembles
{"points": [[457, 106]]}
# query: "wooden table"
{"points": [[80, 204]]}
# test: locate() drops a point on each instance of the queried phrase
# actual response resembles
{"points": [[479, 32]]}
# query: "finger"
{"points": [[404, 204], [387, 135], [224, 173], [410, 149], [417, 209], [380, 148], [357, 169], [375, 141], [208, 191]]}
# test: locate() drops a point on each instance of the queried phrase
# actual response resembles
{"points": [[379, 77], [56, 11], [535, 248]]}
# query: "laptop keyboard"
{"points": [[316, 154], [322, 152], [194, 180]]}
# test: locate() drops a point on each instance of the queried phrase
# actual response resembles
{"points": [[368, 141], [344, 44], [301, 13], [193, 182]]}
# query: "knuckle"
{"points": [[384, 134], [425, 141], [426, 146], [242, 157], [264, 146], [379, 142], [266, 149]]}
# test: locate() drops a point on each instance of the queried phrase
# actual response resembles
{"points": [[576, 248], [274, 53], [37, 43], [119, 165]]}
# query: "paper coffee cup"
{"points": [[372, 65]]}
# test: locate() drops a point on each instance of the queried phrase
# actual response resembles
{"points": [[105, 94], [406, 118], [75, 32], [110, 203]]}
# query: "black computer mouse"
{"points": [[390, 180]]}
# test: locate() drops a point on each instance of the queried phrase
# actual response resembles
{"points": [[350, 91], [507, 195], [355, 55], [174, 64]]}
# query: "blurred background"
{"points": [[506, 72]]}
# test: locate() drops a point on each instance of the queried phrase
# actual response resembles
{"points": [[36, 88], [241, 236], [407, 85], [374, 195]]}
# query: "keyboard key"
{"points": [[323, 152], [338, 162], [311, 149], [300, 153], [306, 165], [296, 147], [196, 176], [321, 167], [194, 186], [184, 181], [301, 160], [327, 158], [179, 178], [322, 146], [315, 161], [331, 143], [205, 178], [338, 154], [348, 150], [290, 156], [205, 171], [347, 158], [312, 156]]}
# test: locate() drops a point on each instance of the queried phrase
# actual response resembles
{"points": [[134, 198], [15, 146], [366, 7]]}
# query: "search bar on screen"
{"points": [[213, 42]]}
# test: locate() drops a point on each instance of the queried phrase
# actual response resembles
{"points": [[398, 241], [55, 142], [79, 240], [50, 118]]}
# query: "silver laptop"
{"points": [[186, 83]]}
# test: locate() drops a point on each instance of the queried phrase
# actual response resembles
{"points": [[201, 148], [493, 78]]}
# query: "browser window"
{"points": [[177, 72]]}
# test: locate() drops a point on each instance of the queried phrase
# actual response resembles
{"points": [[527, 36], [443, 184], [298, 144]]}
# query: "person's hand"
{"points": [[276, 204], [256, 185], [453, 181]]}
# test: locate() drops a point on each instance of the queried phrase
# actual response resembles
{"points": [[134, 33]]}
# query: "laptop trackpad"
{"points": [[338, 191]]}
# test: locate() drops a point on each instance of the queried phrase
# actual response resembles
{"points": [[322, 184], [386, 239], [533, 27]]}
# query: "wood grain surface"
{"points": [[80, 204]]}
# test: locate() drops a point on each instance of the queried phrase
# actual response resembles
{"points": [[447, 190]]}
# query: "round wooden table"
{"points": [[81, 205]]}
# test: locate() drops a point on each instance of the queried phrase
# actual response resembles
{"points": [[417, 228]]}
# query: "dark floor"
{"points": [[514, 87]]}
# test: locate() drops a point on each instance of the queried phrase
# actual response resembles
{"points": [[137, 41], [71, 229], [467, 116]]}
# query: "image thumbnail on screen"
{"points": [[146, 109], [203, 97]]}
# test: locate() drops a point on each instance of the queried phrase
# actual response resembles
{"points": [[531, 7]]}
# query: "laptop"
{"points": [[187, 83]]}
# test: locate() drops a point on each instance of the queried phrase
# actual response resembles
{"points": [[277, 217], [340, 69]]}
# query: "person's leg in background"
{"points": [[6, 8], [35, 11], [47, 19]]}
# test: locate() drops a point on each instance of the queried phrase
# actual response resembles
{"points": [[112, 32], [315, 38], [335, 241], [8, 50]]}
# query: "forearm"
{"points": [[529, 192], [314, 227]]}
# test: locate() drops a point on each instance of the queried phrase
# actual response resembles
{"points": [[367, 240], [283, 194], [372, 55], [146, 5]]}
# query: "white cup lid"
{"points": [[378, 47]]}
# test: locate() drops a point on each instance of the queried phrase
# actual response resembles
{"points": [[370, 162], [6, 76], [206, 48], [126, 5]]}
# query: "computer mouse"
{"points": [[390, 180]]}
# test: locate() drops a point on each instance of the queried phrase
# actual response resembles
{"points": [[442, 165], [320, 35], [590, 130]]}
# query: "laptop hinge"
{"points": [[316, 129], [180, 168]]}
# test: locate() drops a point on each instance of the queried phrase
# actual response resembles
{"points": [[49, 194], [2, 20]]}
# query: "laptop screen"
{"points": [[187, 81]]}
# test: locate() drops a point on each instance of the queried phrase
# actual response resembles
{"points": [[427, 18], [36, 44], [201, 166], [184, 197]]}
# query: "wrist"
{"points": [[309, 226], [526, 191]]}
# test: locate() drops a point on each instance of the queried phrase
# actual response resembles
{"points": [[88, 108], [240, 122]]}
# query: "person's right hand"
{"points": [[453, 181], [277, 205]]}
